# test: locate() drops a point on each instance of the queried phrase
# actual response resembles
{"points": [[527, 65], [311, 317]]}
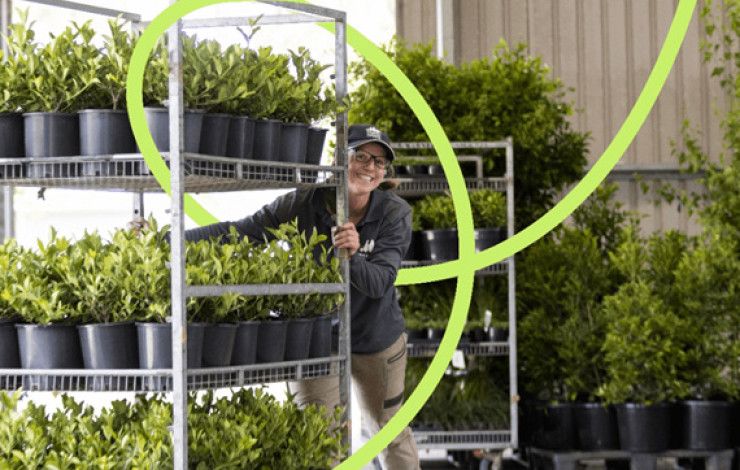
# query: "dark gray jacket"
{"points": [[385, 235]]}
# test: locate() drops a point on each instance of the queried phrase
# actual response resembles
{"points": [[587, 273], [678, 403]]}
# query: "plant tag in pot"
{"points": [[458, 359]]}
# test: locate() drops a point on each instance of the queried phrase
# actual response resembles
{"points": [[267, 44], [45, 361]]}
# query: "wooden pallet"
{"points": [[541, 459]]}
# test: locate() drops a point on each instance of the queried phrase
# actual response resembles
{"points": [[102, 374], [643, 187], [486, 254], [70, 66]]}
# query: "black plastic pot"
{"points": [[218, 344], [553, 426], [705, 425], [245, 344], [48, 347], [158, 120], [416, 336], [51, 134], [240, 143], [436, 171], [487, 237], [596, 426], [267, 139], [214, 135], [644, 428], [105, 132], [414, 252], [417, 170], [11, 135], [435, 334], [271, 341], [498, 334], [439, 245], [320, 337], [315, 145], [293, 142], [298, 338], [9, 358], [109, 346], [155, 345]]}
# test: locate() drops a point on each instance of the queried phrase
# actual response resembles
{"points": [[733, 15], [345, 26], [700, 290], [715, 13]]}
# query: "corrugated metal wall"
{"points": [[604, 49]]}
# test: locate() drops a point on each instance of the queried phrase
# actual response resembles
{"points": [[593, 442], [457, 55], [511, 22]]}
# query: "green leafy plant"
{"points": [[37, 291], [14, 75], [11, 258], [61, 72], [489, 208], [434, 212], [117, 50], [506, 94]]}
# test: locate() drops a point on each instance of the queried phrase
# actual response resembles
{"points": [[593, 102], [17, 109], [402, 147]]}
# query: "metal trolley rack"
{"points": [[196, 173], [415, 187]]}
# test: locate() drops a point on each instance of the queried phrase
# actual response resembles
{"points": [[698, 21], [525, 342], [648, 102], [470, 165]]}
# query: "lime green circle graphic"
{"points": [[464, 267]]}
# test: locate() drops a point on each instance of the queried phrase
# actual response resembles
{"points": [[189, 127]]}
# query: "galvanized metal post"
{"points": [[8, 212], [345, 348], [138, 204], [513, 389], [177, 261]]}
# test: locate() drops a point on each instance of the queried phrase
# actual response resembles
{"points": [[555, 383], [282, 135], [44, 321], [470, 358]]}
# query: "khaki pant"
{"points": [[379, 383]]}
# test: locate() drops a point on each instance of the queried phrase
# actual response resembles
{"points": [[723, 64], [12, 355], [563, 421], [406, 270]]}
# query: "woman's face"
{"points": [[366, 168]]}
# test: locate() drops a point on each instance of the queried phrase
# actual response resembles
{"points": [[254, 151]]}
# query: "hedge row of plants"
{"points": [[239, 102], [253, 430], [101, 288]]}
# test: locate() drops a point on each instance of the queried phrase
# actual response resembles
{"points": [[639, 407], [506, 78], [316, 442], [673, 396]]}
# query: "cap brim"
{"points": [[359, 143]]}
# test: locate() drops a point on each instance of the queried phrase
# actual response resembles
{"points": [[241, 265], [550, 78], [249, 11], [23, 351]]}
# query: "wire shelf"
{"points": [[160, 380], [429, 349], [499, 268], [413, 187], [130, 172], [462, 440]]}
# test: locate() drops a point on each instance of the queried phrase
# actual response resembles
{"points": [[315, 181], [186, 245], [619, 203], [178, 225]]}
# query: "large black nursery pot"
{"points": [[245, 344], [315, 145], [11, 135], [48, 347], [487, 237], [240, 143], [105, 132], [644, 428], [214, 135], [158, 120], [320, 337], [109, 346], [155, 349], [271, 341], [706, 425], [416, 171], [51, 135], [298, 338], [439, 245], [553, 426], [414, 253], [267, 139], [293, 142], [596, 426], [218, 344], [9, 358]]}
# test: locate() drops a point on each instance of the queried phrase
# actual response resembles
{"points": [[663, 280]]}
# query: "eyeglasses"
{"points": [[363, 157]]}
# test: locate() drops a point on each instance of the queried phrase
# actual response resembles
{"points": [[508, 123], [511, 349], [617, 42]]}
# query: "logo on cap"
{"points": [[373, 132]]}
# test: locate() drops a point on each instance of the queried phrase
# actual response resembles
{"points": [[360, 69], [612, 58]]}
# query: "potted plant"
{"points": [[47, 339], [10, 256], [271, 82], [145, 280], [104, 126], [435, 214], [107, 334], [489, 216], [63, 71], [156, 96], [15, 92]]}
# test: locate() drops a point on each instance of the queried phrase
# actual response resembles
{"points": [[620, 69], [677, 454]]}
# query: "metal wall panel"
{"points": [[605, 50]]}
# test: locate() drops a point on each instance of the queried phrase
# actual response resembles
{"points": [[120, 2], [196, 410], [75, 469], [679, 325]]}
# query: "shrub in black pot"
{"points": [[14, 77]]}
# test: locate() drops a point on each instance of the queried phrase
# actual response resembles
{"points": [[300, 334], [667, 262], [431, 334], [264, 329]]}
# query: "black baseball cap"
{"points": [[361, 134]]}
